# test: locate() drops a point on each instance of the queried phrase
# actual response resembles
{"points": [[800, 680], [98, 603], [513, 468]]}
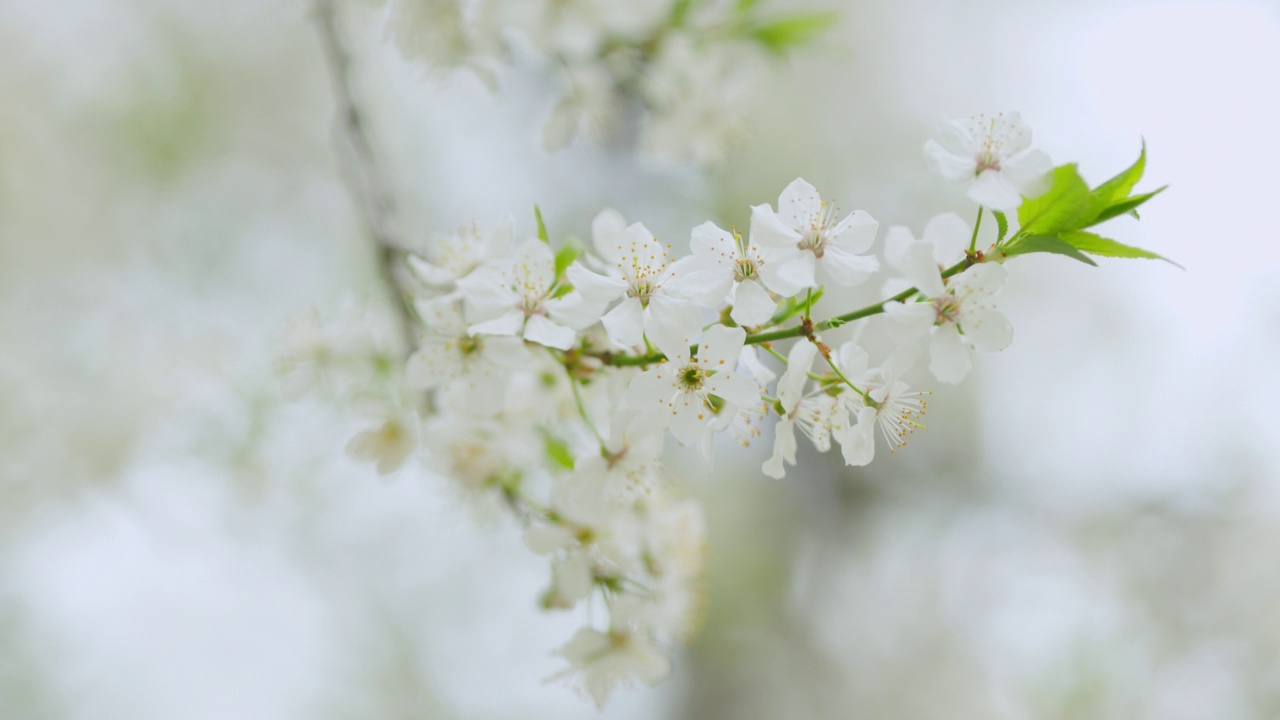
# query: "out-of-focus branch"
{"points": [[360, 170]]}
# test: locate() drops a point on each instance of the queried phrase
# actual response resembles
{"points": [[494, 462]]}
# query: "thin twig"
{"points": [[360, 170]]}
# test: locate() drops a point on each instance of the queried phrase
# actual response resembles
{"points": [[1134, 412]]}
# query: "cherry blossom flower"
{"points": [[993, 155], [817, 414], [641, 272], [804, 236], [514, 298], [958, 312], [599, 661], [725, 267], [450, 357], [893, 407], [445, 259], [677, 394], [389, 443]]}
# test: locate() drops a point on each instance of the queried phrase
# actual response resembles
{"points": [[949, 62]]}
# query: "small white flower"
{"points": [[894, 408], [817, 414], [726, 267], [514, 298], [958, 312], [450, 357], [389, 443], [993, 155], [599, 661], [641, 272], [677, 393], [445, 259], [804, 236]]}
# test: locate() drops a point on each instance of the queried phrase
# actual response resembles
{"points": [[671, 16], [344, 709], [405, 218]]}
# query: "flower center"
{"points": [[946, 309], [744, 268], [642, 290], [468, 345], [691, 378]]}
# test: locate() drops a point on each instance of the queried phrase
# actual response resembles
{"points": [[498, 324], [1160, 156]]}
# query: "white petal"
{"points": [[574, 310], [905, 323], [858, 442], [983, 279], [544, 331], [546, 539], [429, 273], [993, 191], [534, 266], [918, 265], [573, 577], [720, 346], [433, 365], [749, 360], [608, 231], [625, 323], [506, 352], [499, 241], [787, 272], [791, 386], [700, 280], [712, 242], [854, 361], [949, 235], [596, 287], [784, 449], [990, 331], [508, 323], [737, 389], [856, 233], [649, 390], [898, 362], [847, 269], [952, 167], [769, 231], [673, 325], [799, 204], [949, 356], [690, 419], [752, 304]]}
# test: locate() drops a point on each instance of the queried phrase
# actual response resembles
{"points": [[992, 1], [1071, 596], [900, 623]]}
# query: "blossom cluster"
{"points": [[687, 68], [554, 374]]}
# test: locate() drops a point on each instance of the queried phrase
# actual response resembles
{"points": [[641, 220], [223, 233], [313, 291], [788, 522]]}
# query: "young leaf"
{"points": [[1046, 243], [566, 255], [1119, 187], [557, 451], [1068, 205], [1127, 205], [542, 227], [1106, 247], [788, 31], [792, 307]]}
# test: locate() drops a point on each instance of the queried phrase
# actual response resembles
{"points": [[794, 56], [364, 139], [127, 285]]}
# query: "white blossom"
{"points": [[677, 393], [804, 242], [639, 271], [451, 358], [893, 407], [818, 414], [957, 312], [389, 442], [445, 259], [725, 267], [599, 661], [992, 154], [514, 298]]}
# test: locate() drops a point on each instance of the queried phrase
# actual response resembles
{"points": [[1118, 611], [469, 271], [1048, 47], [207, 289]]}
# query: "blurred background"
{"points": [[1087, 529]]}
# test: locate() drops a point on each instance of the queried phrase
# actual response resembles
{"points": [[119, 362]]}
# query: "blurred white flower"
{"points": [[445, 259], [993, 155], [804, 235], [389, 443], [451, 358], [599, 661]]}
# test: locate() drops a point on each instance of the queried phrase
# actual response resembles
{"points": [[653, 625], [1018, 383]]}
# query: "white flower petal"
{"points": [[736, 389], [625, 323], [574, 310], [799, 204], [787, 272], [949, 236], [990, 331], [784, 449], [752, 304], [690, 419], [749, 360], [1029, 172], [848, 269], [573, 577], [544, 331], [712, 242], [720, 346], [608, 231], [951, 166], [546, 539], [905, 323], [769, 231], [949, 356], [858, 442], [508, 323], [594, 286], [993, 191], [673, 325], [856, 233]]}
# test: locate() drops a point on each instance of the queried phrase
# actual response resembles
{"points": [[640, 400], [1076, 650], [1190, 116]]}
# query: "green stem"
{"points": [[973, 242]]}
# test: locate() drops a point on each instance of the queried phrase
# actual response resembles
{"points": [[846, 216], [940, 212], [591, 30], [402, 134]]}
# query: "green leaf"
{"points": [[1048, 244], [1127, 205], [1002, 226], [679, 11], [557, 451], [793, 306], [542, 227], [746, 5], [1068, 205], [783, 33], [1106, 247], [1119, 187], [565, 256]]}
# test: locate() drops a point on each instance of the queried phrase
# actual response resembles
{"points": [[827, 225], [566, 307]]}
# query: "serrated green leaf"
{"points": [[565, 256], [1047, 244], [1127, 205], [542, 227], [557, 451], [788, 31], [1119, 187], [1002, 226], [1068, 205], [1105, 247]]}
